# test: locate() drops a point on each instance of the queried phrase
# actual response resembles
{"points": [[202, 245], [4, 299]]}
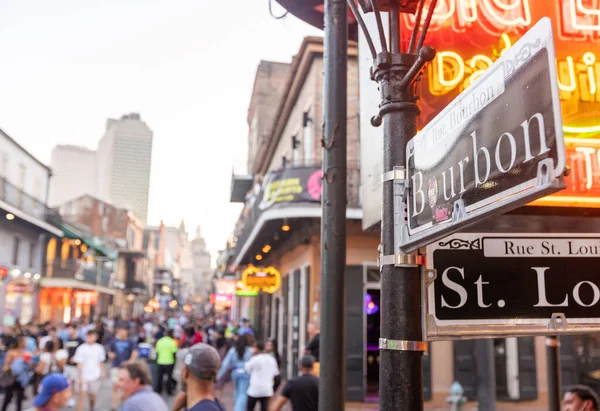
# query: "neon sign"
{"points": [[469, 35], [583, 182], [579, 20], [577, 77], [261, 279]]}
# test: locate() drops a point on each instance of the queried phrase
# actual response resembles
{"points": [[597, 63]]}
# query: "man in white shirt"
{"points": [[89, 358], [262, 368]]}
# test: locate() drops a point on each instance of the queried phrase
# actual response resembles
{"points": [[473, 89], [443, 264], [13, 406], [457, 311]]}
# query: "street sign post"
{"points": [[499, 285], [497, 146]]}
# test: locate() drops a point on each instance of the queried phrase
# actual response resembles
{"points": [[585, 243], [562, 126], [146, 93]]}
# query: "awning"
{"points": [[50, 282], [71, 232]]}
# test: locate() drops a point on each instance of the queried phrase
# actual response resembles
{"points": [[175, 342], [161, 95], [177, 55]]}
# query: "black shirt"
{"points": [[313, 347], [71, 346], [303, 393]]}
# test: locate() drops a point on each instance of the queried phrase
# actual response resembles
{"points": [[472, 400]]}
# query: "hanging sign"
{"points": [[266, 279], [488, 285], [497, 146]]}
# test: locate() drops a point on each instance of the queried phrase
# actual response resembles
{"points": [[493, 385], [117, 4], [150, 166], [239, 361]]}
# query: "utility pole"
{"points": [[401, 342], [554, 382], [333, 220]]}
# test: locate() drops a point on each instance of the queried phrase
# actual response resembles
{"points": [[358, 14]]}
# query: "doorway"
{"points": [[373, 322]]}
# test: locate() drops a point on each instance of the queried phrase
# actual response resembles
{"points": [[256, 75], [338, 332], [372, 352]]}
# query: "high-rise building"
{"points": [[123, 161], [73, 173]]}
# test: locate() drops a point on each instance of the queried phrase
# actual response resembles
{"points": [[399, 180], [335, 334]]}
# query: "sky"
{"points": [[187, 66]]}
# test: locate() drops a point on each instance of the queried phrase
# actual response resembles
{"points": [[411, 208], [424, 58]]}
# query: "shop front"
{"points": [[19, 303], [77, 299]]}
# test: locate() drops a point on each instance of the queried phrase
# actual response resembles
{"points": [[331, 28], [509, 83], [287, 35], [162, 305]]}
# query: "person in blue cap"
{"points": [[54, 392]]}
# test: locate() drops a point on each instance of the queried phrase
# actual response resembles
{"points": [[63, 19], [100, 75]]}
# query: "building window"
{"points": [[15, 255], [3, 165], [308, 138], [22, 172], [31, 255]]}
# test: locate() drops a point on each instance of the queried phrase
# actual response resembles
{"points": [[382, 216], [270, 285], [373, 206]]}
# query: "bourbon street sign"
{"points": [[497, 146], [512, 284]]}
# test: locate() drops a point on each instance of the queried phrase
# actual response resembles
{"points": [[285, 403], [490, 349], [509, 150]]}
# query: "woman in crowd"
{"points": [[235, 360], [272, 348], [15, 364]]}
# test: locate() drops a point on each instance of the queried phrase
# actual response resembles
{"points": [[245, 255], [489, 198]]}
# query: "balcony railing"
{"points": [[291, 179], [26, 203], [79, 270]]}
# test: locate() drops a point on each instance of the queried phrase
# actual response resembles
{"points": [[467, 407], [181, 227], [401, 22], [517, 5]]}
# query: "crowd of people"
{"points": [[142, 355]]}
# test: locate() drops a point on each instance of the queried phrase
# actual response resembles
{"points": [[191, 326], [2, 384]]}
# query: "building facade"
{"points": [[26, 226], [201, 267], [73, 173], [279, 226], [124, 159]]}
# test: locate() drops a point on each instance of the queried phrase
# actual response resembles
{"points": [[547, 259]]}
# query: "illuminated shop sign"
{"points": [[583, 181], [265, 279], [226, 287], [221, 301], [469, 35]]}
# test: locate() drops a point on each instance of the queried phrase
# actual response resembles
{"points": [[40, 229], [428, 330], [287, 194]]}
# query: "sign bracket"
{"points": [[403, 345], [558, 321], [398, 177]]}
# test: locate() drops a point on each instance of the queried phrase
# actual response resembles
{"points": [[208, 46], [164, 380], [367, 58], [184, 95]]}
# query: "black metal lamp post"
{"points": [[402, 340]]}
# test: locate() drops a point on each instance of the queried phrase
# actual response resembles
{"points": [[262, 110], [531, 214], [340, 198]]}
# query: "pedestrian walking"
{"points": [[312, 347], [46, 364], [122, 351], [262, 368], [166, 349], [198, 376], [71, 344], [16, 367], [303, 391], [53, 394], [135, 384], [235, 360], [273, 348], [581, 398], [89, 358]]}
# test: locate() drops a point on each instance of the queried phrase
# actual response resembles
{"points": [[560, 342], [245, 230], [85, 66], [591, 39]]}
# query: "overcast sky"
{"points": [[187, 66]]}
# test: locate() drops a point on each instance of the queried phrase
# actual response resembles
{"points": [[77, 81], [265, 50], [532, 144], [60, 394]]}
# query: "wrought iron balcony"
{"points": [[79, 270], [26, 203]]}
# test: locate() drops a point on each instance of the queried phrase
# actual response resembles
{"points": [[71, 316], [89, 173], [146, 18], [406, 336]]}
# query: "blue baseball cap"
{"points": [[51, 384]]}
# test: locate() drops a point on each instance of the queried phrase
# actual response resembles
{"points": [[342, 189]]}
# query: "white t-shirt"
{"points": [[50, 362], [262, 369], [90, 357]]}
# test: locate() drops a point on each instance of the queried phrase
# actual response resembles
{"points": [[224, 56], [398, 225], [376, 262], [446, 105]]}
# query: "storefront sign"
{"points": [[19, 288], [498, 146], [243, 291], [86, 297], [227, 287], [261, 279], [221, 301], [292, 185], [513, 284]]}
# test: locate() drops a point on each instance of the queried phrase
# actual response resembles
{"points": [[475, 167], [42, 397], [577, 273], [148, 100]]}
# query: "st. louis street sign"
{"points": [[512, 284], [497, 146]]}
